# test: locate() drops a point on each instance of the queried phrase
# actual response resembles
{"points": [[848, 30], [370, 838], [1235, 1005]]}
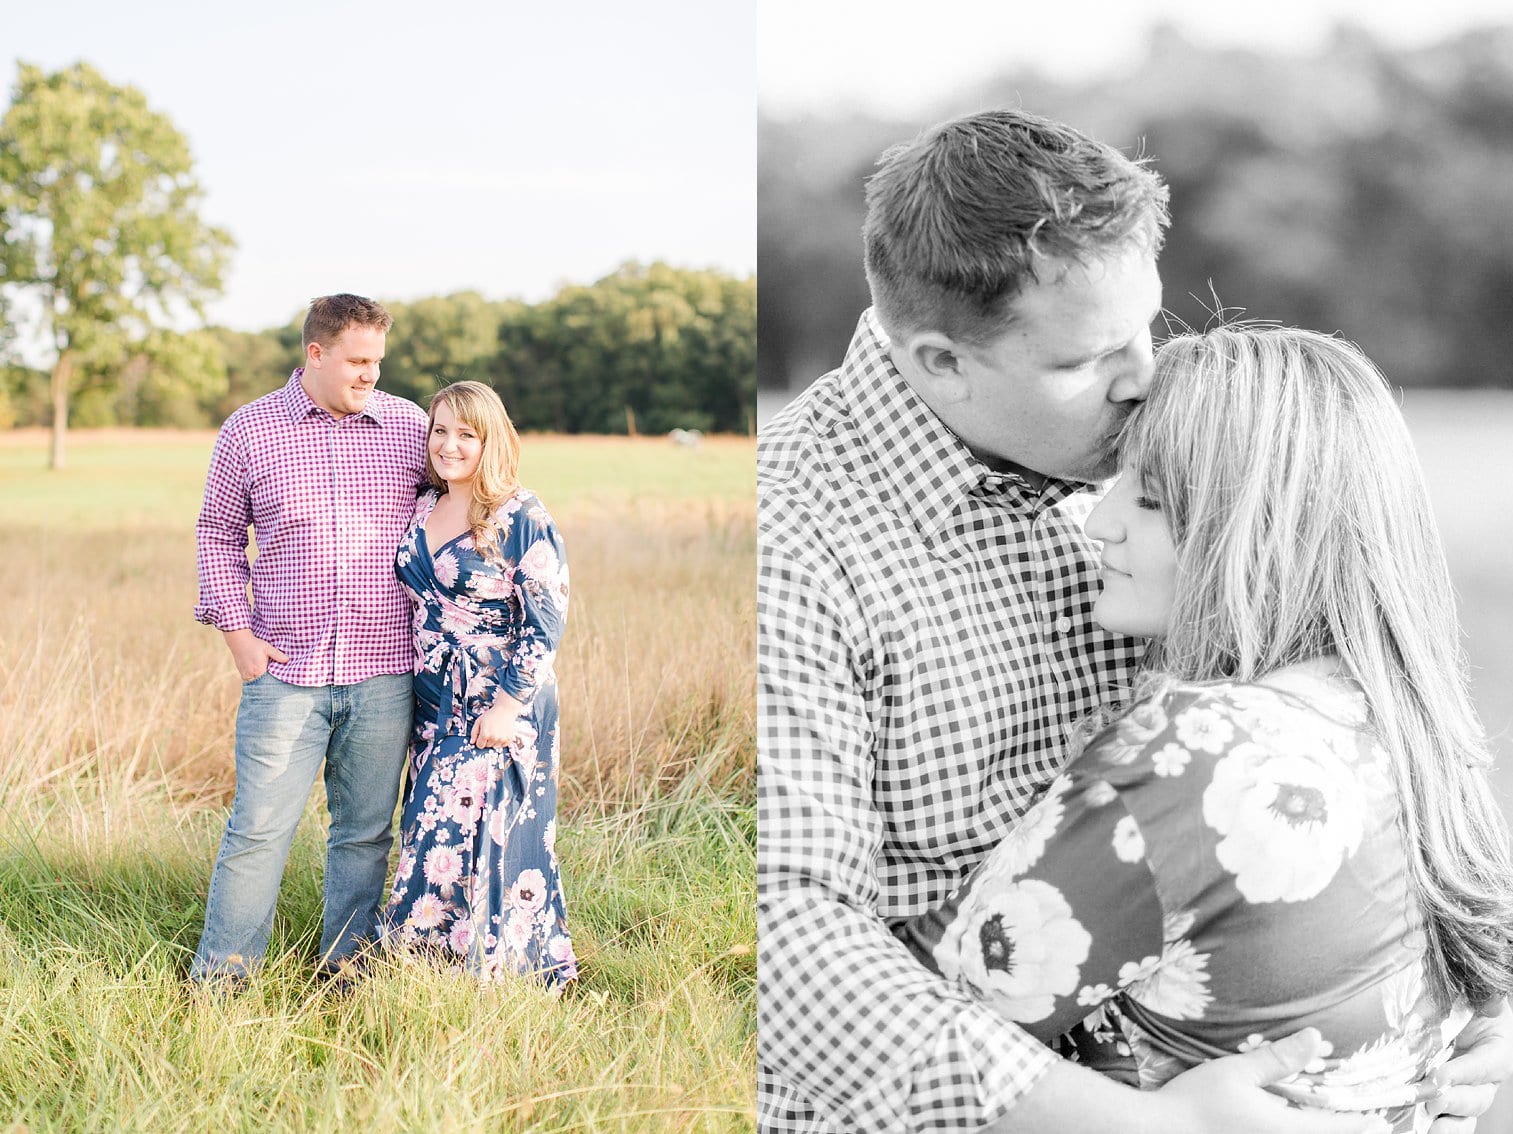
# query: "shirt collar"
{"points": [[929, 469], [299, 406]]}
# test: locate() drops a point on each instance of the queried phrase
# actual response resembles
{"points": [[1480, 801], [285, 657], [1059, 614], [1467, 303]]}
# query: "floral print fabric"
{"points": [[1220, 867], [478, 881]]}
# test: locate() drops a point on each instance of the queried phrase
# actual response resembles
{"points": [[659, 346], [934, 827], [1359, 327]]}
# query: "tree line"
{"points": [[648, 348]]}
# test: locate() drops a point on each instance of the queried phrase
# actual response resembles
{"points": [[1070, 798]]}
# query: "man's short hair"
{"points": [[330, 315], [960, 219]]}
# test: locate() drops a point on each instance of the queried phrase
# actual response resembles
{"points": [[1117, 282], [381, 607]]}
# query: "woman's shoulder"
{"points": [[1181, 722], [523, 510]]}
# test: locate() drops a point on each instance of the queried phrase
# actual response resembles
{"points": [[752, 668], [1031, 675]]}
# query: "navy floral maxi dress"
{"points": [[477, 881], [1223, 866]]}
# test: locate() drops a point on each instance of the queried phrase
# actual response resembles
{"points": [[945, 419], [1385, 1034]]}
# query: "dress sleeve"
{"points": [[866, 1033], [541, 580], [221, 536]]}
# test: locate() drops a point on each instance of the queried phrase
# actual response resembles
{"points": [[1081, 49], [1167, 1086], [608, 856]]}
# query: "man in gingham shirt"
{"points": [[326, 471], [925, 641]]}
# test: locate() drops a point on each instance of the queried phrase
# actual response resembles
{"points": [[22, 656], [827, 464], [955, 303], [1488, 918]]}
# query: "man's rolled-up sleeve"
{"points": [[847, 1016], [221, 536]]}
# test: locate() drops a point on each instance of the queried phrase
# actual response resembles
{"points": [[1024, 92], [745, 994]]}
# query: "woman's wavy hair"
{"points": [[498, 476], [1303, 528]]}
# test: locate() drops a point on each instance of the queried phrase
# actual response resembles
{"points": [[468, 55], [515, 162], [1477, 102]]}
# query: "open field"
{"points": [[116, 714]]}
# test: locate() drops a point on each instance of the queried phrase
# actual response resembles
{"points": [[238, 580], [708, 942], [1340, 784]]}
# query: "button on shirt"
{"points": [[925, 645], [328, 499]]}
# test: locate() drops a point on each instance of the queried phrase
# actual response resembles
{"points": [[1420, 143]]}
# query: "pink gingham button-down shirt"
{"points": [[329, 501]]}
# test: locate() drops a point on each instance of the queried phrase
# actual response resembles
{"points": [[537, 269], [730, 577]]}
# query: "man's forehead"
{"points": [[1109, 299]]}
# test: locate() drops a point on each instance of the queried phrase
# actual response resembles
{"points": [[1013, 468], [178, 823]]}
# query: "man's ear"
{"points": [[938, 361], [314, 354]]}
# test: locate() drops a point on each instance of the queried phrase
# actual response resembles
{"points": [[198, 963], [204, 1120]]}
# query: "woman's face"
{"points": [[455, 448], [1139, 560]]}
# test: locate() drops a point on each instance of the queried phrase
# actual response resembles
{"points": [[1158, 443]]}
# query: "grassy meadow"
{"points": [[116, 727]]}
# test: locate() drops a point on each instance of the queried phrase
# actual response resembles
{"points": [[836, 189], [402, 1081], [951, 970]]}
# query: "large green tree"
{"points": [[100, 233]]}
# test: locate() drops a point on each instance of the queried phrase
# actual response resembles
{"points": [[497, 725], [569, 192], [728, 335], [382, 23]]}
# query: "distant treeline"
{"points": [[649, 347], [1360, 190]]}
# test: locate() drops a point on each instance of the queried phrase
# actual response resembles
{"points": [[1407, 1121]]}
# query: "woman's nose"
{"points": [[1101, 524]]}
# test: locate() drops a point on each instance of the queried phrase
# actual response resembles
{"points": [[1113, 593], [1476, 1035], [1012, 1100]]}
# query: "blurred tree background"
{"points": [[1362, 189]]}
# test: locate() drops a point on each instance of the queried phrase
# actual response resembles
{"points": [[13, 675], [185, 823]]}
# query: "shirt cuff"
{"points": [[224, 621], [975, 1072]]}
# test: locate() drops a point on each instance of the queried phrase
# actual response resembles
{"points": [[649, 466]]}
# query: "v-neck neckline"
{"points": [[425, 535]]}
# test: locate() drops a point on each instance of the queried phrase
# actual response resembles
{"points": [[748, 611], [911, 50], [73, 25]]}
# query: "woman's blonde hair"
{"points": [[478, 406], [1303, 528]]}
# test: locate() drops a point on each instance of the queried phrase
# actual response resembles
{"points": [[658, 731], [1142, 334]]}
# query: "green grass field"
{"points": [[116, 712]]}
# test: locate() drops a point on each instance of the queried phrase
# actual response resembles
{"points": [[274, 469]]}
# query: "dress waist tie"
{"points": [[452, 715]]}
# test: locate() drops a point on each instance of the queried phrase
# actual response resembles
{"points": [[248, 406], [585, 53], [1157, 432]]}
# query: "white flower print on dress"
{"points": [[540, 565], [457, 620], [427, 912], [461, 936], [1176, 985], [490, 587], [529, 891], [1023, 846], [446, 568], [1091, 995], [1134, 731], [1288, 819], [1129, 844], [1170, 759], [1203, 730], [1018, 945], [1100, 793], [517, 931], [443, 866]]}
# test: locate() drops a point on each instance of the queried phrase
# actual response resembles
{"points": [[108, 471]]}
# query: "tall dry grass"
{"points": [[105, 678]]}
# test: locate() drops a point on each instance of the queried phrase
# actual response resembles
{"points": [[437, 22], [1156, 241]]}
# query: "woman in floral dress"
{"points": [[1293, 826], [477, 882]]}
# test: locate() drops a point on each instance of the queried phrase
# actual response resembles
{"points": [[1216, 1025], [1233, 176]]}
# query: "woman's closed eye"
{"points": [[1148, 503]]}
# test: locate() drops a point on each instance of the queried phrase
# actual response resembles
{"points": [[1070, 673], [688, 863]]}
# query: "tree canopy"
{"points": [[101, 240]]}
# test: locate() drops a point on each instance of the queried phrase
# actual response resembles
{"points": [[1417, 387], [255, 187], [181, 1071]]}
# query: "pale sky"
{"points": [[898, 57], [401, 150]]}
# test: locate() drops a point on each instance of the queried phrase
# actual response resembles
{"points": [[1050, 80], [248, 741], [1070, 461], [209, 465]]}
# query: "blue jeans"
{"points": [[283, 735]]}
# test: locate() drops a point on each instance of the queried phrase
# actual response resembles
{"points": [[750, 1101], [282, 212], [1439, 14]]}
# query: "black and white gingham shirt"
{"points": [[925, 642]]}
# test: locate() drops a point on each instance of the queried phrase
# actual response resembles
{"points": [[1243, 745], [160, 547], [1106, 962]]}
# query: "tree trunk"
{"points": [[62, 376]]}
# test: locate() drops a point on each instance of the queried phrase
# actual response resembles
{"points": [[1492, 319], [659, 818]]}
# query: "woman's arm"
{"points": [[1222, 1095]]}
